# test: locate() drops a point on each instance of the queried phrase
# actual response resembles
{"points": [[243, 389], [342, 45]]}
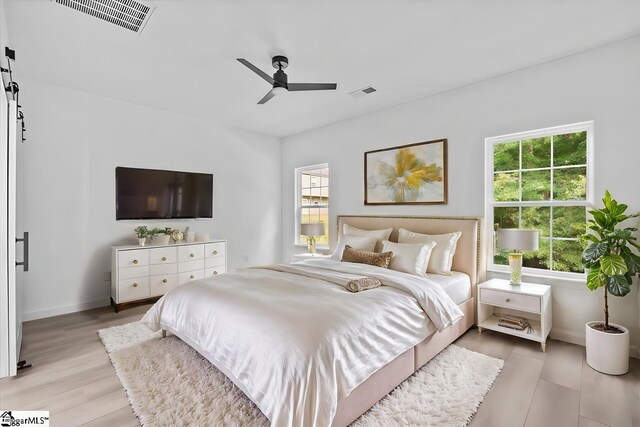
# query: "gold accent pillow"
{"points": [[363, 257]]}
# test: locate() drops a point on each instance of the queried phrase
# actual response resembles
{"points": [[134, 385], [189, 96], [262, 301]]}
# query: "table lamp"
{"points": [[311, 231], [516, 240]]}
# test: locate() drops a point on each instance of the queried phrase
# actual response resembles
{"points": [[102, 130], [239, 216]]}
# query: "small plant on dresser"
{"points": [[161, 236], [142, 233]]}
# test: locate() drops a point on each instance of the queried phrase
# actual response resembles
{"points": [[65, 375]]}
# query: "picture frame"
{"points": [[412, 174]]}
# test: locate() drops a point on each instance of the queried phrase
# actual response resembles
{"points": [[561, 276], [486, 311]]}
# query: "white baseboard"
{"points": [[57, 311], [576, 338]]}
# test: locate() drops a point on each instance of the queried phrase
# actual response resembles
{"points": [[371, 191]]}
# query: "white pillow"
{"points": [[381, 235], [442, 255], [364, 243], [409, 258]]}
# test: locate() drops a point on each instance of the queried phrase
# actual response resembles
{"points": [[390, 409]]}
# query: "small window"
{"points": [[541, 179], [312, 200]]}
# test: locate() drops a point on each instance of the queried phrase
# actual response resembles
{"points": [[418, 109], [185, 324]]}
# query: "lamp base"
{"points": [[515, 265], [311, 245]]}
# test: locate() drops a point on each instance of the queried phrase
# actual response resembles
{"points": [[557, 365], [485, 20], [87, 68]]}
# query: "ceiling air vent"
{"points": [[128, 14], [362, 92]]}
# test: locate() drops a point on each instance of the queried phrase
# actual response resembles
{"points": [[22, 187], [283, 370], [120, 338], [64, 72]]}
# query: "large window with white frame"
{"points": [[312, 200], [541, 179]]}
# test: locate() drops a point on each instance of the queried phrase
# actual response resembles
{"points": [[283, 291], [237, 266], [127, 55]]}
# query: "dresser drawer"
{"points": [[161, 284], [163, 255], [190, 275], [218, 249], [131, 289], [133, 258], [155, 269], [210, 272], [510, 300], [214, 262], [190, 252], [191, 265], [132, 272]]}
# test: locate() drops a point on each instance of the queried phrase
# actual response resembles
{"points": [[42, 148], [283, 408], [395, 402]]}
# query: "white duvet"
{"points": [[294, 339]]}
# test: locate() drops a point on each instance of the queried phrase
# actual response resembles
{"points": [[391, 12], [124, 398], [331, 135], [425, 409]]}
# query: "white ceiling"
{"points": [[185, 58]]}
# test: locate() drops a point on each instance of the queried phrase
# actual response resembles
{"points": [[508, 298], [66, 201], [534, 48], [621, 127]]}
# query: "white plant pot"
{"points": [[162, 239], [607, 353], [142, 241]]}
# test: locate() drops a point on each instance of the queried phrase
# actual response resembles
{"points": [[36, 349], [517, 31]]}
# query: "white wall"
{"points": [[4, 34], [601, 85], [75, 141]]}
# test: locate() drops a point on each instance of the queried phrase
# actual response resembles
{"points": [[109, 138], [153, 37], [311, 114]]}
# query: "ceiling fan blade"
{"points": [[256, 70], [267, 97], [295, 87]]}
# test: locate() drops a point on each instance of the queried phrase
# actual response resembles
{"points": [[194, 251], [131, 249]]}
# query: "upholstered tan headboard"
{"points": [[469, 256]]}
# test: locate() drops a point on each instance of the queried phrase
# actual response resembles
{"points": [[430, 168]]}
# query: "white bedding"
{"points": [[296, 343], [457, 285]]}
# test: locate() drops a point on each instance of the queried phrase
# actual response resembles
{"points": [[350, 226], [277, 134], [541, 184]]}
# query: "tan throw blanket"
{"points": [[363, 283], [337, 277]]}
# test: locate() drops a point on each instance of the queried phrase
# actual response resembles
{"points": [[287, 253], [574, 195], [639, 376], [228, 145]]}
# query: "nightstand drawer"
{"points": [[510, 300]]}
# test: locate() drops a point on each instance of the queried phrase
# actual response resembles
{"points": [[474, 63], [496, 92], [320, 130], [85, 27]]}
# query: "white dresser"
{"points": [[142, 274]]}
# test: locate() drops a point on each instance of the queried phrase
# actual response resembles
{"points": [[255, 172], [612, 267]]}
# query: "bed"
{"points": [[309, 353]]}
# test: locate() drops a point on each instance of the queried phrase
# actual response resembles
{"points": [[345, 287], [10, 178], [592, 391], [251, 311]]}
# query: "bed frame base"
{"points": [[402, 367]]}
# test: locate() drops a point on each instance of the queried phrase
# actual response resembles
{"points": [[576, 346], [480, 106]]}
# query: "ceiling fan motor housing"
{"points": [[280, 79]]}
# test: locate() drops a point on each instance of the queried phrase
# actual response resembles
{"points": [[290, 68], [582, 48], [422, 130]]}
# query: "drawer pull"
{"points": [[164, 280], [192, 276], [215, 272], [164, 258], [191, 255], [508, 299], [135, 261], [215, 252], [135, 285]]}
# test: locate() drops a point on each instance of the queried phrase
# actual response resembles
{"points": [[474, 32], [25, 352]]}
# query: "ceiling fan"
{"points": [[279, 80]]}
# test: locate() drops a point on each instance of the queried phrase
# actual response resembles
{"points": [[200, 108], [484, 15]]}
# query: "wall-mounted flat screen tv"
{"points": [[162, 194]]}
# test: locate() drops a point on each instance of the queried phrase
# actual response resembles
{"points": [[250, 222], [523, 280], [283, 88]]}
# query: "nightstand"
{"points": [[497, 297], [300, 257]]}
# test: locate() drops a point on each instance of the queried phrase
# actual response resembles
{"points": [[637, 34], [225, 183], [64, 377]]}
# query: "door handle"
{"points": [[25, 251]]}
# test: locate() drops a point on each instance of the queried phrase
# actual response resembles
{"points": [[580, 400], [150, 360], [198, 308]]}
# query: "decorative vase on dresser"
{"points": [[143, 274]]}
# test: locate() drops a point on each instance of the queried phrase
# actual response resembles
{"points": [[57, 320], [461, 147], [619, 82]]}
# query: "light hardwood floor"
{"points": [[74, 380]]}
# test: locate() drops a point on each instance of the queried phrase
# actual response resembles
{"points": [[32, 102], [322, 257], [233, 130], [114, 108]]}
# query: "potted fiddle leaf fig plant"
{"points": [[610, 258]]}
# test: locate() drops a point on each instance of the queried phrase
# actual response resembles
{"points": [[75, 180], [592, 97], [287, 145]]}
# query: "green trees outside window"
{"points": [[541, 183]]}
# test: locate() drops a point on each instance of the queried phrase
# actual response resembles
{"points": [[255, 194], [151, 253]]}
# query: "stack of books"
{"points": [[515, 322]]}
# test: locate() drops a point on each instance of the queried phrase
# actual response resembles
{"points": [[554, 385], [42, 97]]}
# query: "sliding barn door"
{"points": [[4, 234], [15, 302], [10, 292]]}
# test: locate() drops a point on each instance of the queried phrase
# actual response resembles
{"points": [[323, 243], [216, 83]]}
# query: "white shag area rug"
{"points": [[169, 383]]}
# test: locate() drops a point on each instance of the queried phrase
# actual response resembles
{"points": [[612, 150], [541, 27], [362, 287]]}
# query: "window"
{"points": [[541, 179], [312, 200]]}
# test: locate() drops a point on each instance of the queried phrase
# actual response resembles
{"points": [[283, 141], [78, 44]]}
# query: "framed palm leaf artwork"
{"points": [[408, 174]]}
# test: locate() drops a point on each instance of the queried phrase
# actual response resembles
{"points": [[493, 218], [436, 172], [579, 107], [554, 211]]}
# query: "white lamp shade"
{"points": [[517, 239], [312, 229]]}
